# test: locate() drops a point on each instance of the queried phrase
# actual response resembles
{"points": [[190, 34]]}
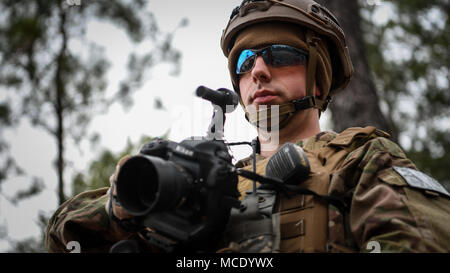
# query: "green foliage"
{"points": [[433, 161], [5, 114], [29, 245], [60, 89], [408, 54], [37, 185], [57, 88], [101, 169]]}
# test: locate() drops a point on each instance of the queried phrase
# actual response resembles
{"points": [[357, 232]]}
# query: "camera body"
{"points": [[183, 191]]}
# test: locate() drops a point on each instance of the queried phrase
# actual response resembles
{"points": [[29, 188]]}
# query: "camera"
{"points": [[182, 191]]}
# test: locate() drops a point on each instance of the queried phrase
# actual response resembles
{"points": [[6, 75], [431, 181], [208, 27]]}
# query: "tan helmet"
{"points": [[310, 16]]}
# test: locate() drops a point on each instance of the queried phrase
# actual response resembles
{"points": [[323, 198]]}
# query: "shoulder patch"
{"points": [[417, 179]]}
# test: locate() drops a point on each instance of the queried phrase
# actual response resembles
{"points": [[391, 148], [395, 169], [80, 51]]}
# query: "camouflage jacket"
{"points": [[388, 213]]}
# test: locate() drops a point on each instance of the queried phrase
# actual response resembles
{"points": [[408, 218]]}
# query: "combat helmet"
{"points": [[320, 26]]}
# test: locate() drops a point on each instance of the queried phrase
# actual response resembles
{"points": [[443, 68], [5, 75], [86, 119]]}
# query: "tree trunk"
{"points": [[358, 104], [59, 106]]}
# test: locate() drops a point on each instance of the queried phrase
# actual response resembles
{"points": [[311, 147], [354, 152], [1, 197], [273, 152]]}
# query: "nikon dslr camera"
{"points": [[182, 191]]}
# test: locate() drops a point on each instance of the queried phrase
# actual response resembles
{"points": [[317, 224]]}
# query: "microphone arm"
{"points": [[224, 101]]}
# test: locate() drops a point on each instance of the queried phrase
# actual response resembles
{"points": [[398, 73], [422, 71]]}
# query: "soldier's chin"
{"points": [[272, 125]]}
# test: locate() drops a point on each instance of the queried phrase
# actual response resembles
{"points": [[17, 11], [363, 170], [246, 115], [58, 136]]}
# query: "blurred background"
{"points": [[84, 82]]}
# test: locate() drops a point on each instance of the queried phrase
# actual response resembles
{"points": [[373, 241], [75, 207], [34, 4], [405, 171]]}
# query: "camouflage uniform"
{"points": [[356, 165], [83, 219]]}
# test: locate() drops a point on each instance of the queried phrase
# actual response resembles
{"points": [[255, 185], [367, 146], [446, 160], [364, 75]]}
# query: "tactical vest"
{"points": [[303, 219]]}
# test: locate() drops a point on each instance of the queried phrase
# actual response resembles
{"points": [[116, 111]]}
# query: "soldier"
{"points": [[293, 54]]}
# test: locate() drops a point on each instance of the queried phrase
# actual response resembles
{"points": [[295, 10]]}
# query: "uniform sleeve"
{"points": [[381, 218], [83, 219]]}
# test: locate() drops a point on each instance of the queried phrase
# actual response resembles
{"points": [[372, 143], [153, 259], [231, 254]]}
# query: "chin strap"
{"points": [[287, 110]]}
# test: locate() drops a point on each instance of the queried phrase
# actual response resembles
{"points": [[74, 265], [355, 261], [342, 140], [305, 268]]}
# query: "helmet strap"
{"points": [[312, 42], [287, 110]]}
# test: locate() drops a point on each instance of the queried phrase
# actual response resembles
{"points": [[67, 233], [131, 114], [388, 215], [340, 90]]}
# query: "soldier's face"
{"points": [[267, 85]]}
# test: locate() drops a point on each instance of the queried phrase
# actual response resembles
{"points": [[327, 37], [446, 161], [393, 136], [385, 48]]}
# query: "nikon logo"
{"points": [[73, 2], [184, 151]]}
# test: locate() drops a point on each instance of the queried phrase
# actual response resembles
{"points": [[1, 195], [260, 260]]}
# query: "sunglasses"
{"points": [[274, 55]]}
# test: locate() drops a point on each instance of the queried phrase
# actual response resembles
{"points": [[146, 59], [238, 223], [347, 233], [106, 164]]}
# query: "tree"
{"points": [[31, 244], [402, 75], [100, 169], [58, 89], [357, 104], [96, 176], [410, 60], [8, 164]]}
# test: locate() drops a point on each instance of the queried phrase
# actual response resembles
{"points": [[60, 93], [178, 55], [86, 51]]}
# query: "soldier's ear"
{"points": [[317, 92]]}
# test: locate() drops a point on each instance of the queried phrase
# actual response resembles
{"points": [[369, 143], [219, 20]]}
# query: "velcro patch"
{"points": [[420, 180]]}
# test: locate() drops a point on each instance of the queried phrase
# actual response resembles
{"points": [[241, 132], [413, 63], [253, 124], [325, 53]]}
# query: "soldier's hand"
{"points": [[113, 205]]}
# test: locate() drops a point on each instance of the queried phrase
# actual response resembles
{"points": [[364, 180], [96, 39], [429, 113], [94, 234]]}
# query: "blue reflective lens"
{"points": [[245, 55], [274, 55]]}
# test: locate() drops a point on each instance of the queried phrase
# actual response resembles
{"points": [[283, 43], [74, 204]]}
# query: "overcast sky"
{"points": [[202, 64], [185, 115]]}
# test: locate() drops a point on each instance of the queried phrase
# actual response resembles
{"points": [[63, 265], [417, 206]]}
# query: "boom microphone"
{"points": [[221, 97]]}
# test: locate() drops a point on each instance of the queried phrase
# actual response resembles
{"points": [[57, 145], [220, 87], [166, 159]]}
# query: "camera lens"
{"points": [[149, 184]]}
